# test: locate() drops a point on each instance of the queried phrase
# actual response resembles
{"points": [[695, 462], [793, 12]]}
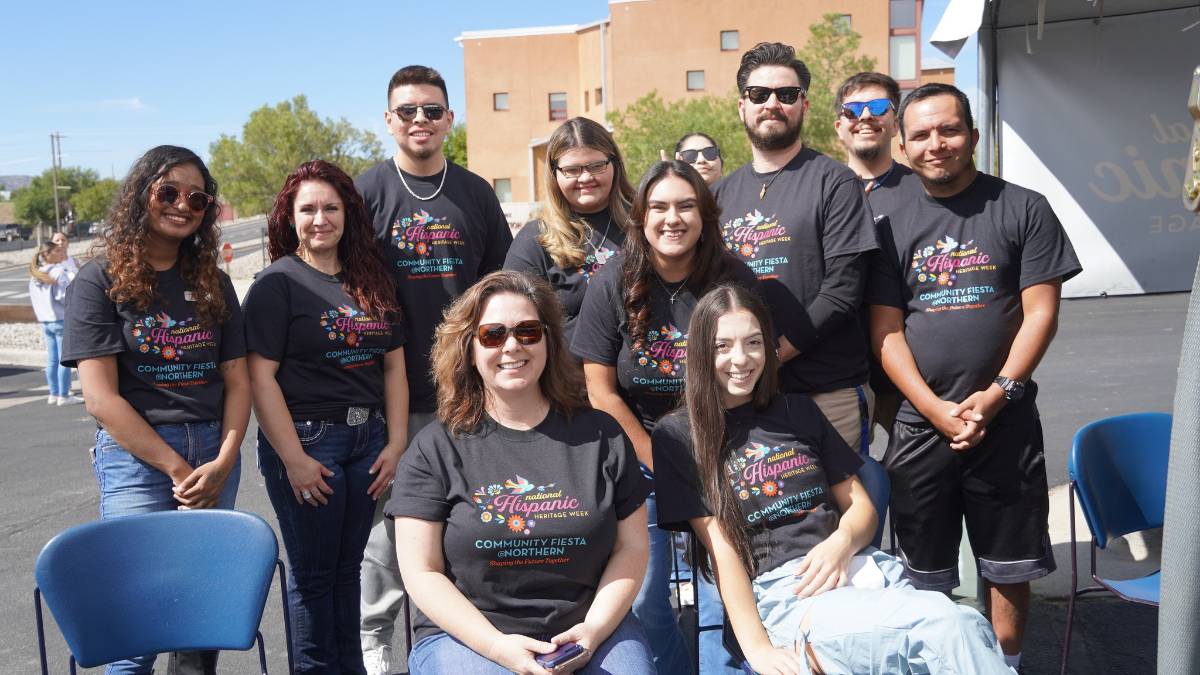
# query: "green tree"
{"points": [[456, 145], [650, 125], [94, 202], [831, 54], [275, 140], [34, 203]]}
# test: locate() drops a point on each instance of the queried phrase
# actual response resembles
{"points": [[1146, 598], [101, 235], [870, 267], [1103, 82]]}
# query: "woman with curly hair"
{"points": [[583, 223], [327, 371], [632, 337], [520, 529], [156, 332]]}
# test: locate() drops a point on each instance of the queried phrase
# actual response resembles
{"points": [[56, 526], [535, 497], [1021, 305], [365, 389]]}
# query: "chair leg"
{"points": [[1066, 650], [41, 631], [73, 672], [407, 623], [262, 653], [287, 618]]}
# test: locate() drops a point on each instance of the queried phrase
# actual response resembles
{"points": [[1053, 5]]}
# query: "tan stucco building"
{"points": [[522, 83]]}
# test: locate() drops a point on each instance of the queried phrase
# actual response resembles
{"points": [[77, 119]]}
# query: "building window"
{"points": [[500, 101], [503, 187], [903, 53], [846, 22], [599, 95], [695, 80], [729, 40], [904, 39], [903, 14], [558, 106]]}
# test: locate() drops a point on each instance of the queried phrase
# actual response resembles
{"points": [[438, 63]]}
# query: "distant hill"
{"points": [[15, 182]]}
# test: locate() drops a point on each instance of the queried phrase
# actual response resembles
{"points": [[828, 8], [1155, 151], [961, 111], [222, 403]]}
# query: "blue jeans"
{"points": [[652, 606], [624, 652], [129, 486], [58, 377], [325, 542], [714, 659]]}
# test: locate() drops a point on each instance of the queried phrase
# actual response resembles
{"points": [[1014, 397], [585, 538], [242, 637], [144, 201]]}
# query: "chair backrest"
{"points": [[1119, 465], [158, 582]]}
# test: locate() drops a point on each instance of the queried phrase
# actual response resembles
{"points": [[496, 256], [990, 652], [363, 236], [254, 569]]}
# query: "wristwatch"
{"points": [[1013, 390]]}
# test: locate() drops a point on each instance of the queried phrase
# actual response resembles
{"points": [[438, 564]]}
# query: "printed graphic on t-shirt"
{"points": [[770, 476], [662, 355], [595, 261], [417, 237], [171, 339], [943, 273], [516, 506], [752, 237], [349, 326]]}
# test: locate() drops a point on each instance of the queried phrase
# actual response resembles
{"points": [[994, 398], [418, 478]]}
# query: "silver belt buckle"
{"points": [[356, 416]]}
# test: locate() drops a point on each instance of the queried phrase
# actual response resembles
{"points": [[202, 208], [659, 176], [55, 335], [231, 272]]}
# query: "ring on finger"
{"points": [[306, 494]]}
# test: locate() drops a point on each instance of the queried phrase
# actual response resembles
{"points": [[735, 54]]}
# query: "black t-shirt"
{"points": [[889, 192], [530, 516], [963, 262], [527, 255], [437, 249], [650, 376], [167, 359], [786, 457], [813, 211], [330, 352]]}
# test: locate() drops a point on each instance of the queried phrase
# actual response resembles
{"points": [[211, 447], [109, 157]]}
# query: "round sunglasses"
{"points": [[493, 335], [195, 199], [711, 153]]}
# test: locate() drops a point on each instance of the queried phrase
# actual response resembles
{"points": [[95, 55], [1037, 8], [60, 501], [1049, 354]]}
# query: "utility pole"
{"points": [[54, 153]]}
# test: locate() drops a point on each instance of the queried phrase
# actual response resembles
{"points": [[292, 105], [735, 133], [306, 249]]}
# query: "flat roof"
{"points": [[527, 32]]}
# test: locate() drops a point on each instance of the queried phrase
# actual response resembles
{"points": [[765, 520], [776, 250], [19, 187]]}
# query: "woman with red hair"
{"points": [[327, 374]]}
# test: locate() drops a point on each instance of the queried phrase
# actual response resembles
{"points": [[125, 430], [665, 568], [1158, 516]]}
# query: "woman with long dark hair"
{"points": [[520, 528], [702, 152], [769, 487], [583, 223], [331, 398], [632, 337], [156, 332]]}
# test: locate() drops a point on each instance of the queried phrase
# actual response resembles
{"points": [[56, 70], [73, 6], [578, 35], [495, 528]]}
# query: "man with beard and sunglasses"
{"points": [[442, 229], [799, 220]]}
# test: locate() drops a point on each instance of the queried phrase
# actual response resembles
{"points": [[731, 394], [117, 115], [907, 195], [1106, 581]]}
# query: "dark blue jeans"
{"points": [[325, 542]]}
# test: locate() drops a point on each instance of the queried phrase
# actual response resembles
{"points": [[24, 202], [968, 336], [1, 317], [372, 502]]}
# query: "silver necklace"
{"points": [[445, 170], [671, 294], [602, 252]]}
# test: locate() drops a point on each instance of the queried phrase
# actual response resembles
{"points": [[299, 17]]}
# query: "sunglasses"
{"points": [[433, 111], [878, 107], [711, 153], [786, 95], [593, 168], [493, 335], [197, 201]]}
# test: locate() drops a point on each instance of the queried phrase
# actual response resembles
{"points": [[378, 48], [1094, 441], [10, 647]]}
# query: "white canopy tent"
{"points": [[1085, 102]]}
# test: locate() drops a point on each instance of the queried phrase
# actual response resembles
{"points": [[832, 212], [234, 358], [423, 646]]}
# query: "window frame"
{"points": [[495, 106], [565, 113]]}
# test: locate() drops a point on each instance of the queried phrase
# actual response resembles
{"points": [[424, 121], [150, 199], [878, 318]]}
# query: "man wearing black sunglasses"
{"points": [[799, 220], [442, 229]]}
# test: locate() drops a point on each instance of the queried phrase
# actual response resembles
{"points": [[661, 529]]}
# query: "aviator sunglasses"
{"points": [[852, 110], [195, 199], [711, 153], [786, 95], [492, 335], [433, 111]]}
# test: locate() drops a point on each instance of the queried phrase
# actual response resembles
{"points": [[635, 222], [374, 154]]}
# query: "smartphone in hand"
{"points": [[562, 658]]}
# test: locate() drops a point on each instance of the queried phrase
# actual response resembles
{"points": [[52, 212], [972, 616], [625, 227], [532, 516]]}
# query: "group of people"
{"points": [[508, 430]]}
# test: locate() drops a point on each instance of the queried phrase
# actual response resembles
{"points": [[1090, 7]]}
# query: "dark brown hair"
{"points": [[771, 54], [417, 75], [866, 79]]}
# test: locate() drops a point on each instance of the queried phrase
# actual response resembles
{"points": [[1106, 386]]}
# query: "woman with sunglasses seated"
{"points": [[586, 214], [633, 340], [769, 487], [156, 332], [701, 151], [519, 518], [331, 399]]}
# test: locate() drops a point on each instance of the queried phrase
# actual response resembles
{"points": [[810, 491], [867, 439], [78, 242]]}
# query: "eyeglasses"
{"points": [[852, 110], [493, 335], [711, 153], [196, 200], [786, 95], [433, 111], [593, 169]]}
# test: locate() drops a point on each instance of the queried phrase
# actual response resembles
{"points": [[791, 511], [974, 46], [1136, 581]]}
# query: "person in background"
{"points": [[49, 277], [64, 241], [156, 331], [701, 151], [585, 217]]}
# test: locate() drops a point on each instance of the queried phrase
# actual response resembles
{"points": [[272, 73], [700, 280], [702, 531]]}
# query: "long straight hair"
{"points": [[39, 258], [706, 411]]}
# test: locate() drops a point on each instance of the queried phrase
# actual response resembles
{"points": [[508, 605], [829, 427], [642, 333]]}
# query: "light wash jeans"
{"points": [[58, 377], [625, 652], [129, 486]]}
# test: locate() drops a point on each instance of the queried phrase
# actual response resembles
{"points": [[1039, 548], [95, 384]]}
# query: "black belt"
{"points": [[351, 415]]}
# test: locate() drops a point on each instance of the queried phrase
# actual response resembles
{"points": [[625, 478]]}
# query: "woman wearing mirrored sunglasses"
{"points": [[520, 524], [156, 332], [701, 151], [326, 354], [632, 337], [585, 216]]}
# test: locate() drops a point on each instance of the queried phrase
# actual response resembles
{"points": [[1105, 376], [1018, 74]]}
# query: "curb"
{"points": [[23, 357]]}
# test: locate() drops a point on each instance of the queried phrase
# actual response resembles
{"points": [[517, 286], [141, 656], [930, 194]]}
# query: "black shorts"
{"points": [[999, 487]]}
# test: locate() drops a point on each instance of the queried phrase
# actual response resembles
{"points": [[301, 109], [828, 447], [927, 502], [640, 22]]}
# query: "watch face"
{"points": [[1015, 391]]}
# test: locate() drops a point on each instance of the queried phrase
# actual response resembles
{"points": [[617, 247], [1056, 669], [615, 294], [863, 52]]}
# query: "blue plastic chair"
{"points": [[1118, 470], [159, 582]]}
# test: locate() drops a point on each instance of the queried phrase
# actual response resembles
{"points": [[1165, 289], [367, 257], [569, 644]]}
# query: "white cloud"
{"points": [[129, 104]]}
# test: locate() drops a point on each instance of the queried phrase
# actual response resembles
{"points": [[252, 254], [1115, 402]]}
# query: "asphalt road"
{"points": [[1111, 356]]}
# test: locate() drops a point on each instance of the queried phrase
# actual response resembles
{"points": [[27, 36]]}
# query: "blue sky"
{"points": [[120, 77]]}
